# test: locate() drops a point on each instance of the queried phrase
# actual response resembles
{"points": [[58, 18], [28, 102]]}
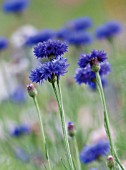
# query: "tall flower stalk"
{"points": [[32, 92], [51, 70], [62, 116], [106, 120], [92, 69]]}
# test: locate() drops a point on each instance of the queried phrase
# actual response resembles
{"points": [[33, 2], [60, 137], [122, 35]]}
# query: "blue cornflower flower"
{"points": [[80, 38], [41, 36], [20, 130], [87, 76], [53, 48], [63, 34], [48, 70], [84, 75], [3, 43], [15, 6], [96, 56], [93, 152], [108, 30], [79, 24]]}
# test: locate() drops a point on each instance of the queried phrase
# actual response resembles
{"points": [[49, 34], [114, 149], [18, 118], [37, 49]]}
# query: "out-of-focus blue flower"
{"points": [[20, 130], [95, 56], [3, 43], [79, 39], [105, 68], [79, 24], [108, 30], [63, 34], [15, 6], [48, 70], [53, 48], [21, 154], [19, 95], [41, 36], [93, 152]]}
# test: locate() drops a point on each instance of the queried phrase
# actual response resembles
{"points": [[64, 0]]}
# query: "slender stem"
{"points": [[42, 131], [62, 116], [106, 120], [77, 153]]}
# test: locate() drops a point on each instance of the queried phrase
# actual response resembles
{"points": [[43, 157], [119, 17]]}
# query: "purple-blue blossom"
{"points": [[48, 71], [94, 151], [41, 36], [62, 34], [87, 76], [3, 43], [98, 56], [15, 6], [78, 39], [53, 48], [20, 130], [108, 30], [79, 24]]}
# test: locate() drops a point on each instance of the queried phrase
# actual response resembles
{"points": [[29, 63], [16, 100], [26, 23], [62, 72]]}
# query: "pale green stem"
{"points": [[62, 116], [42, 131], [106, 120], [77, 153]]}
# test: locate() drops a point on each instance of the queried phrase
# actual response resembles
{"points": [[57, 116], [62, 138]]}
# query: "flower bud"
{"points": [[31, 90], [71, 129], [110, 162], [95, 68]]}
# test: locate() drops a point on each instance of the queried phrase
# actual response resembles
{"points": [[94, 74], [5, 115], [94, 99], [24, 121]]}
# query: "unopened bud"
{"points": [[71, 129], [110, 162], [95, 68], [31, 90]]}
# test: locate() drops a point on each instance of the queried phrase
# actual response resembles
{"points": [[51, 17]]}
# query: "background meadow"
{"points": [[23, 150]]}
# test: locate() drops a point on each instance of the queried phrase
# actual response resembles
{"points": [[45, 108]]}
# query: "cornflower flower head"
{"points": [[49, 70], [41, 36], [20, 130], [3, 43], [94, 152], [15, 6], [78, 39], [108, 30], [79, 24], [93, 59], [62, 34], [50, 49], [86, 75]]}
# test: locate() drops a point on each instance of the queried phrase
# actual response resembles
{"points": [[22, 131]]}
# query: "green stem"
{"points": [[106, 120], [42, 131], [77, 153], [62, 116]]}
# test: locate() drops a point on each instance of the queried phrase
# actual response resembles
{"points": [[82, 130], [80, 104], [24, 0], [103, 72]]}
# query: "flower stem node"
{"points": [[110, 162], [71, 129], [31, 90]]}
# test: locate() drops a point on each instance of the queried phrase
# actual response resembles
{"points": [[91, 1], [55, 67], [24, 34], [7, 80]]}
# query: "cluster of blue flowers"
{"points": [[108, 30], [15, 6], [93, 152], [3, 43], [85, 74], [55, 66], [74, 32]]}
